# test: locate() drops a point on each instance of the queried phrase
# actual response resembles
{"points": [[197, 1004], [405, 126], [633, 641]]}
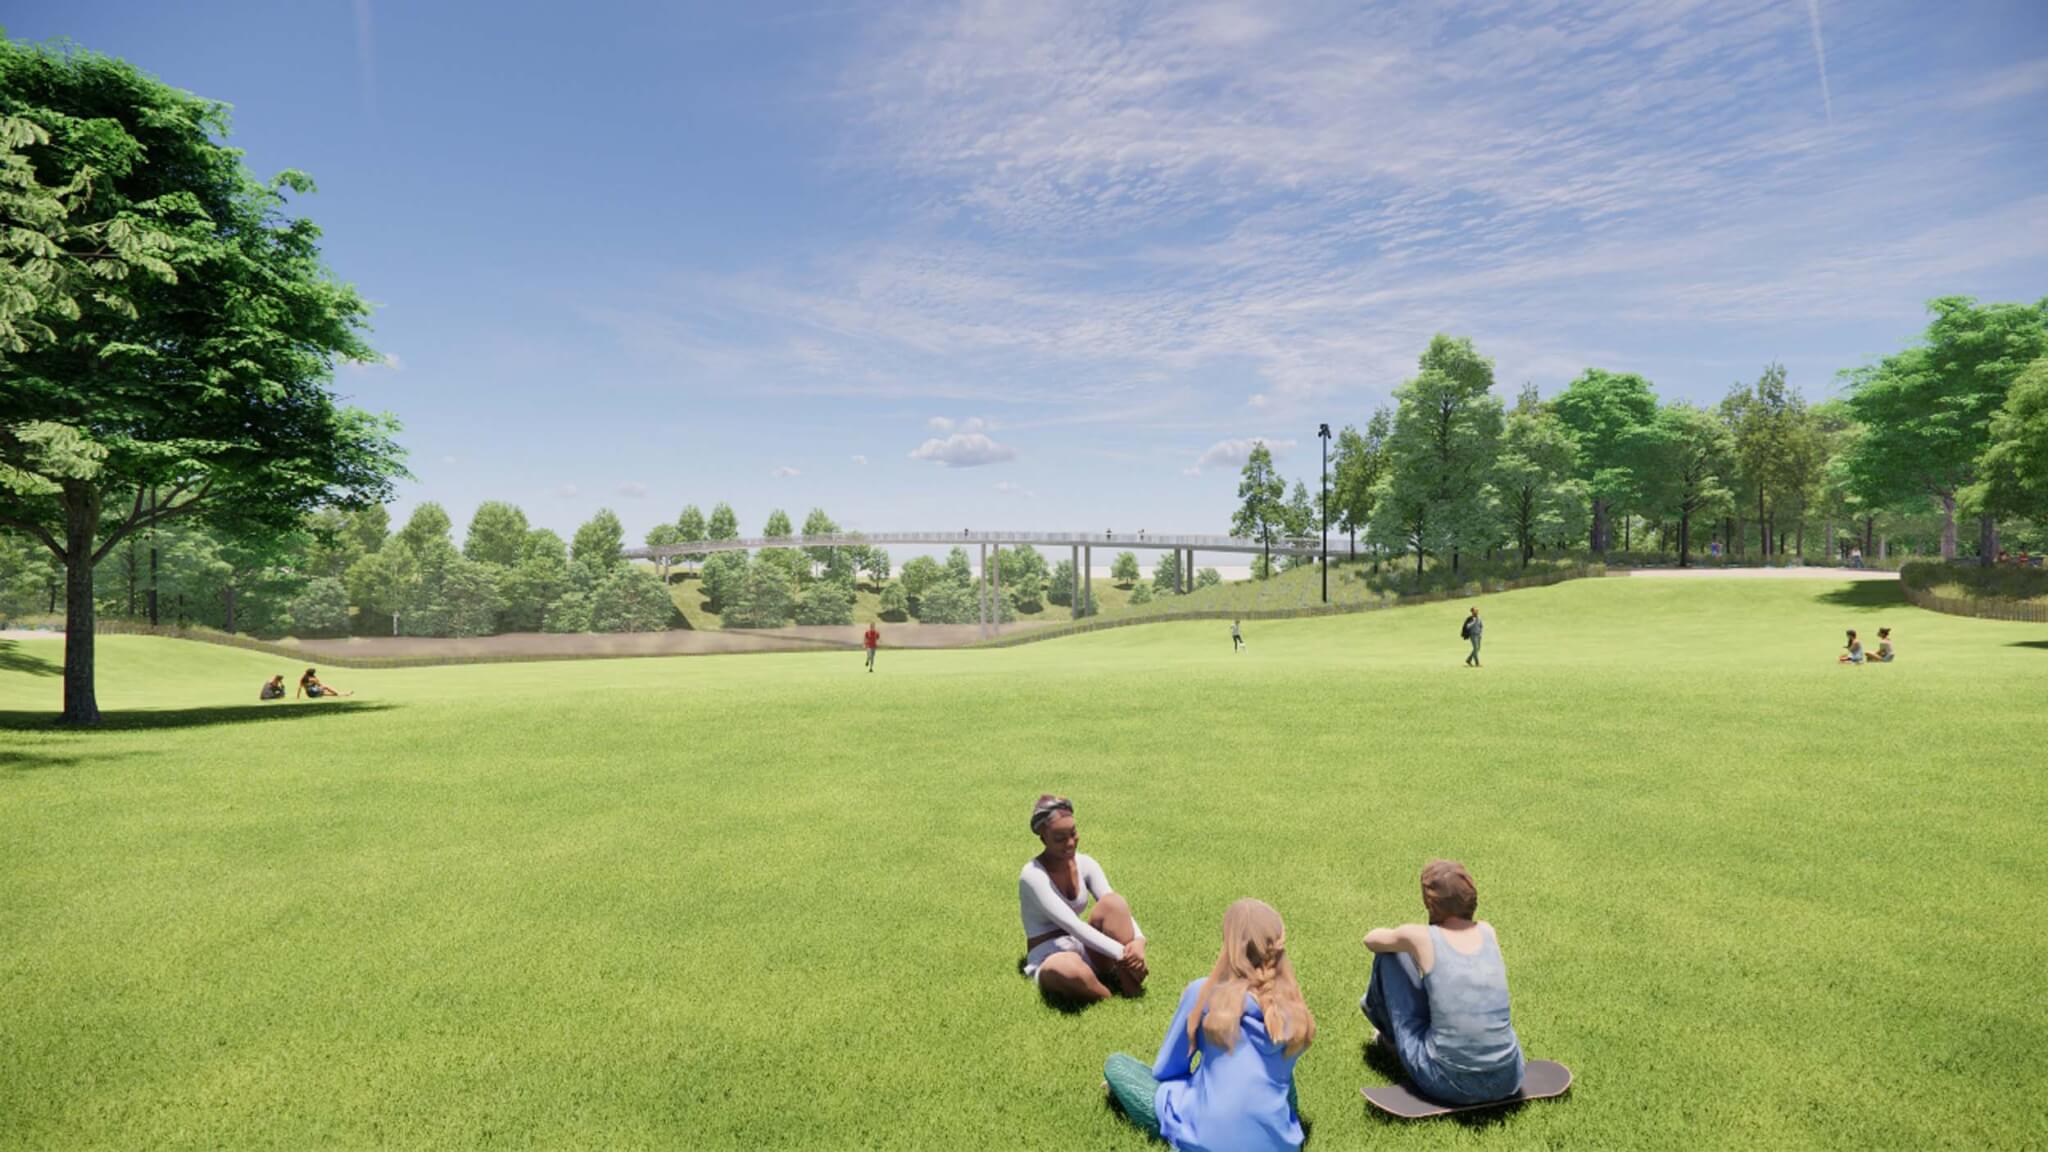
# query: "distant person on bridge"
{"points": [[1068, 958], [873, 637], [1473, 629], [1236, 637]]}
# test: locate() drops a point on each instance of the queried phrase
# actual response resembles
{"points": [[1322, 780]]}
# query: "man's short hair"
{"points": [[1447, 891]]}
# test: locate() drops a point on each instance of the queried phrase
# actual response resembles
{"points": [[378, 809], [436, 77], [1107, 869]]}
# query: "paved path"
{"points": [[1800, 573]]}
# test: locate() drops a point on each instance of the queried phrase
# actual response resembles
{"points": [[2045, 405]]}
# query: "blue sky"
{"points": [[1054, 266]]}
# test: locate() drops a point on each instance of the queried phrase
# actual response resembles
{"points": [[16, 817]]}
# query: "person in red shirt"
{"points": [[873, 637]]}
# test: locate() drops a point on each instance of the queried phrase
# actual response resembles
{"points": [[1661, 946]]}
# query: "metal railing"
{"points": [[1286, 546]]}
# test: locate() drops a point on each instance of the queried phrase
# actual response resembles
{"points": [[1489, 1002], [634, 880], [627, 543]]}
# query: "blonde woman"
{"points": [[1439, 995], [1069, 958], [1248, 1024]]}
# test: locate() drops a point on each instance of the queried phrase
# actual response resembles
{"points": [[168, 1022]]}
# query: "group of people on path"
{"points": [[1854, 653], [1224, 1074], [309, 686]]}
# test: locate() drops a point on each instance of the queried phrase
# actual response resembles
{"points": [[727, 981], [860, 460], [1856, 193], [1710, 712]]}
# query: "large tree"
{"points": [[1361, 461], [599, 540], [1535, 479], [1262, 501], [2013, 472], [1602, 409], [1928, 409], [1680, 458], [167, 331], [497, 534], [1447, 423]]}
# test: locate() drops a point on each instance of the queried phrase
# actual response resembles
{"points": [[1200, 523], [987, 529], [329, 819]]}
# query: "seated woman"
{"points": [[1855, 653], [1248, 1023], [273, 688], [1069, 958], [310, 684], [1439, 996], [1884, 646]]}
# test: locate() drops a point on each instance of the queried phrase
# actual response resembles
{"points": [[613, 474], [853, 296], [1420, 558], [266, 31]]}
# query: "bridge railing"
{"points": [[1289, 546]]}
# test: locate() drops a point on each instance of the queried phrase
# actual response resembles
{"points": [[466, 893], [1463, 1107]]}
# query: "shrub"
{"points": [[1208, 578], [631, 600], [765, 599], [946, 602], [1142, 594], [2000, 582], [895, 602], [321, 609], [825, 602]]}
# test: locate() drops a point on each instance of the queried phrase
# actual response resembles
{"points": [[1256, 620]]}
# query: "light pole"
{"points": [[1323, 434]]}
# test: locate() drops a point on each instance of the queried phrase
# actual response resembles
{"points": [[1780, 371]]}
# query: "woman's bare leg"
{"points": [[1111, 916], [1068, 976]]}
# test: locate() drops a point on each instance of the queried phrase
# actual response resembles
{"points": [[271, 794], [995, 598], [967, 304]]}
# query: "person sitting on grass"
{"points": [[1438, 996], [273, 688], [1855, 653], [1224, 1077], [310, 685], [1073, 960], [1884, 646]]}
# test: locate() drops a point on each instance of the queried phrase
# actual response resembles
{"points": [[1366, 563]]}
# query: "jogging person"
{"points": [[1236, 637], [873, 637], [1472, 631]]}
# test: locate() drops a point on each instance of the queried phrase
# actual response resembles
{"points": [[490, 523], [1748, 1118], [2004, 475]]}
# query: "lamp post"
{"points": [[1323, 434]]}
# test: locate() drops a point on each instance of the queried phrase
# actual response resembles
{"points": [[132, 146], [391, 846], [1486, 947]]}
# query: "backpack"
{"points": [[1465, 632]]}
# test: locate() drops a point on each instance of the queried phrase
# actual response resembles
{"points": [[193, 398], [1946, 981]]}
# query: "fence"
{"points": [[1343, 608], [1987, 609]]}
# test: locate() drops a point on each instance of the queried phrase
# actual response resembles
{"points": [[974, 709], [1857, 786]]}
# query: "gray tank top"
{"points": [[1468, 1006]]}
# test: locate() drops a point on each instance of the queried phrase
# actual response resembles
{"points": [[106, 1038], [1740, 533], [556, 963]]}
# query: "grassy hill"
{"points": [[1752, 897]]}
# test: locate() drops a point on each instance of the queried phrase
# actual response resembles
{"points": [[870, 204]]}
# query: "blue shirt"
{"points": [[1235, 1101]]}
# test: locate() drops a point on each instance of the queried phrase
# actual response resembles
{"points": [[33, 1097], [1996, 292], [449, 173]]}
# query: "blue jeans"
{"points": [[1397, 1006]]}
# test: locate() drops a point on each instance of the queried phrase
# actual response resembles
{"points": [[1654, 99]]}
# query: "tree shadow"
{"points": [[2041, 644], [14, 659], [1387, 1064], [145, 719], [15, 762], [1865, 594]]}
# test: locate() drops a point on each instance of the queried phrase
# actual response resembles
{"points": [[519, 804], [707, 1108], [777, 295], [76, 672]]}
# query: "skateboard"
{"points": [[1541, 1080]]}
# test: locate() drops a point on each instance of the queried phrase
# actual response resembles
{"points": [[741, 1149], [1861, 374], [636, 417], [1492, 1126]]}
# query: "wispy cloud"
{"points": [[633, 490], [1234, 453], [963, 450], [785, 472], [568, 492], [861, 460], [1820, 58], [1011, 488]]}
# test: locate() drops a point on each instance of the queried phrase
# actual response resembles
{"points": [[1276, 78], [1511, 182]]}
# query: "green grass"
{"points": [[1751, 897]]}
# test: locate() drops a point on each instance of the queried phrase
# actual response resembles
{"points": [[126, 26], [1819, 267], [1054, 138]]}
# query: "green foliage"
{"points": [[1141, 594], [947, 602], [1208, 578], [1124, 569], [778, 525], [690, 525], [895, 602], [1998, 582], [384, 584], [724, 525], [959, 569], [427, 528], [825, 602], [600, 540], [2013, 471], [1261, 495], [497, 534], [1166, 573], [1679, 460], [460, 598], [1060, 589], [766, 598], [920, 573], [1535, 484], [875, 562], [570, 612], [1360, 463], [537, 581], [1603, 412], [320, 609], [724, 575], [819, 524], [1434, 498], [630, 600]]}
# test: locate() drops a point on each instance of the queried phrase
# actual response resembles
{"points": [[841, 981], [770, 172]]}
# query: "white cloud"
{"points": [[1009, 487], [940, 424], [1234, 453], [785, 472], [861, 460], [964, 450], [568, 492], [633, 490]]}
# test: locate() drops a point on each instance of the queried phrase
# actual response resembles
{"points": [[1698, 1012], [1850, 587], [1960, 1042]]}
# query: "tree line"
{"points": [[1954, 426]]}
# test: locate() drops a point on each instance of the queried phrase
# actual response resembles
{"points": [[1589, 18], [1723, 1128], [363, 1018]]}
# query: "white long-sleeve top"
{"points": [[1045, 909]]}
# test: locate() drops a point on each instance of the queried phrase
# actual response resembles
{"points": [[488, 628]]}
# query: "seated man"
{"points": [[273, 688], [1439, 996]]}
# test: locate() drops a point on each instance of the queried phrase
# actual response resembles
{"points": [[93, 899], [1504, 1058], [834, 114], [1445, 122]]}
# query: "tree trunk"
{"points": [[1599, 540], [1830, 545], [1763, 524], [1799, 537], [1628, 524], [1948, 526], [1869, 534], [81, 528], [1987, 540], [1685, 539]]}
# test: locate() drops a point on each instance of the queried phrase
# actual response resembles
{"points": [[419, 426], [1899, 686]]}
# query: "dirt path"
{"points": [[1800, 573]]}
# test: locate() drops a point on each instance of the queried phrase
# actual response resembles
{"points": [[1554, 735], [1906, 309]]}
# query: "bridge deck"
{"points": [[1284, 547]]}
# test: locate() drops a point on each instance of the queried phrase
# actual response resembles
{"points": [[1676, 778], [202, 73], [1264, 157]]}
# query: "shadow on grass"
{"points": [[1387, 1064], [13, 659], [143, 719], [15, 763], [1866, 594], [2041, 644]]}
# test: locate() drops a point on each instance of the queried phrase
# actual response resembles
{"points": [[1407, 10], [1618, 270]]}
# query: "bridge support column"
{"points": [[1087, 580], [1074, 594], [981, 596], [995, 599]]}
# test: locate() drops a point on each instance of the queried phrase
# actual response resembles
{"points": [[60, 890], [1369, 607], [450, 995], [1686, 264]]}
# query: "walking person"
{"points": [[1236, 637], [1472, 631], [873, 637]]}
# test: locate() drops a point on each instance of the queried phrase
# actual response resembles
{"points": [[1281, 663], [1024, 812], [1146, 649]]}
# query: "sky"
{"points": [[1057, 266]]}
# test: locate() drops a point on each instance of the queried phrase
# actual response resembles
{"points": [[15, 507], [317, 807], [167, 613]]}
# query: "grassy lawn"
{"points": [[1751, 897]]}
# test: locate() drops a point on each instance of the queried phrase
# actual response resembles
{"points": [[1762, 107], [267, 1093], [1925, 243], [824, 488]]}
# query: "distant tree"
{"points": [[778, 526], [1124, 569], [690, 526], [766, 598], [875, 562], [1141, 594], [320, 609], [1535, 480], [1602, 410], [497, 534], [570, 612], [630, 600], [600, 540], [1301, 522], [1361, 461], [544, 542], [1680, 459], [920, 573], [819, 524], [661, 536], [2012, 474], [895, 602], [825, 602], [385, 583], [461, 599], [427, 527], [959, 569], [1928, 409], [1261, 495], [1166, 574], [1435, 498], [537, 581], [724, 525], [1060, 590], [330, 544], [947, 602], [1208, 578], [724, 576], [790, 560]]}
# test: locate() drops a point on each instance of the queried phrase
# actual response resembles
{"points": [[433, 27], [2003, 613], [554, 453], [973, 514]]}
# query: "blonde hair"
{"points": [[1253, 962], [1447, 891]]}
